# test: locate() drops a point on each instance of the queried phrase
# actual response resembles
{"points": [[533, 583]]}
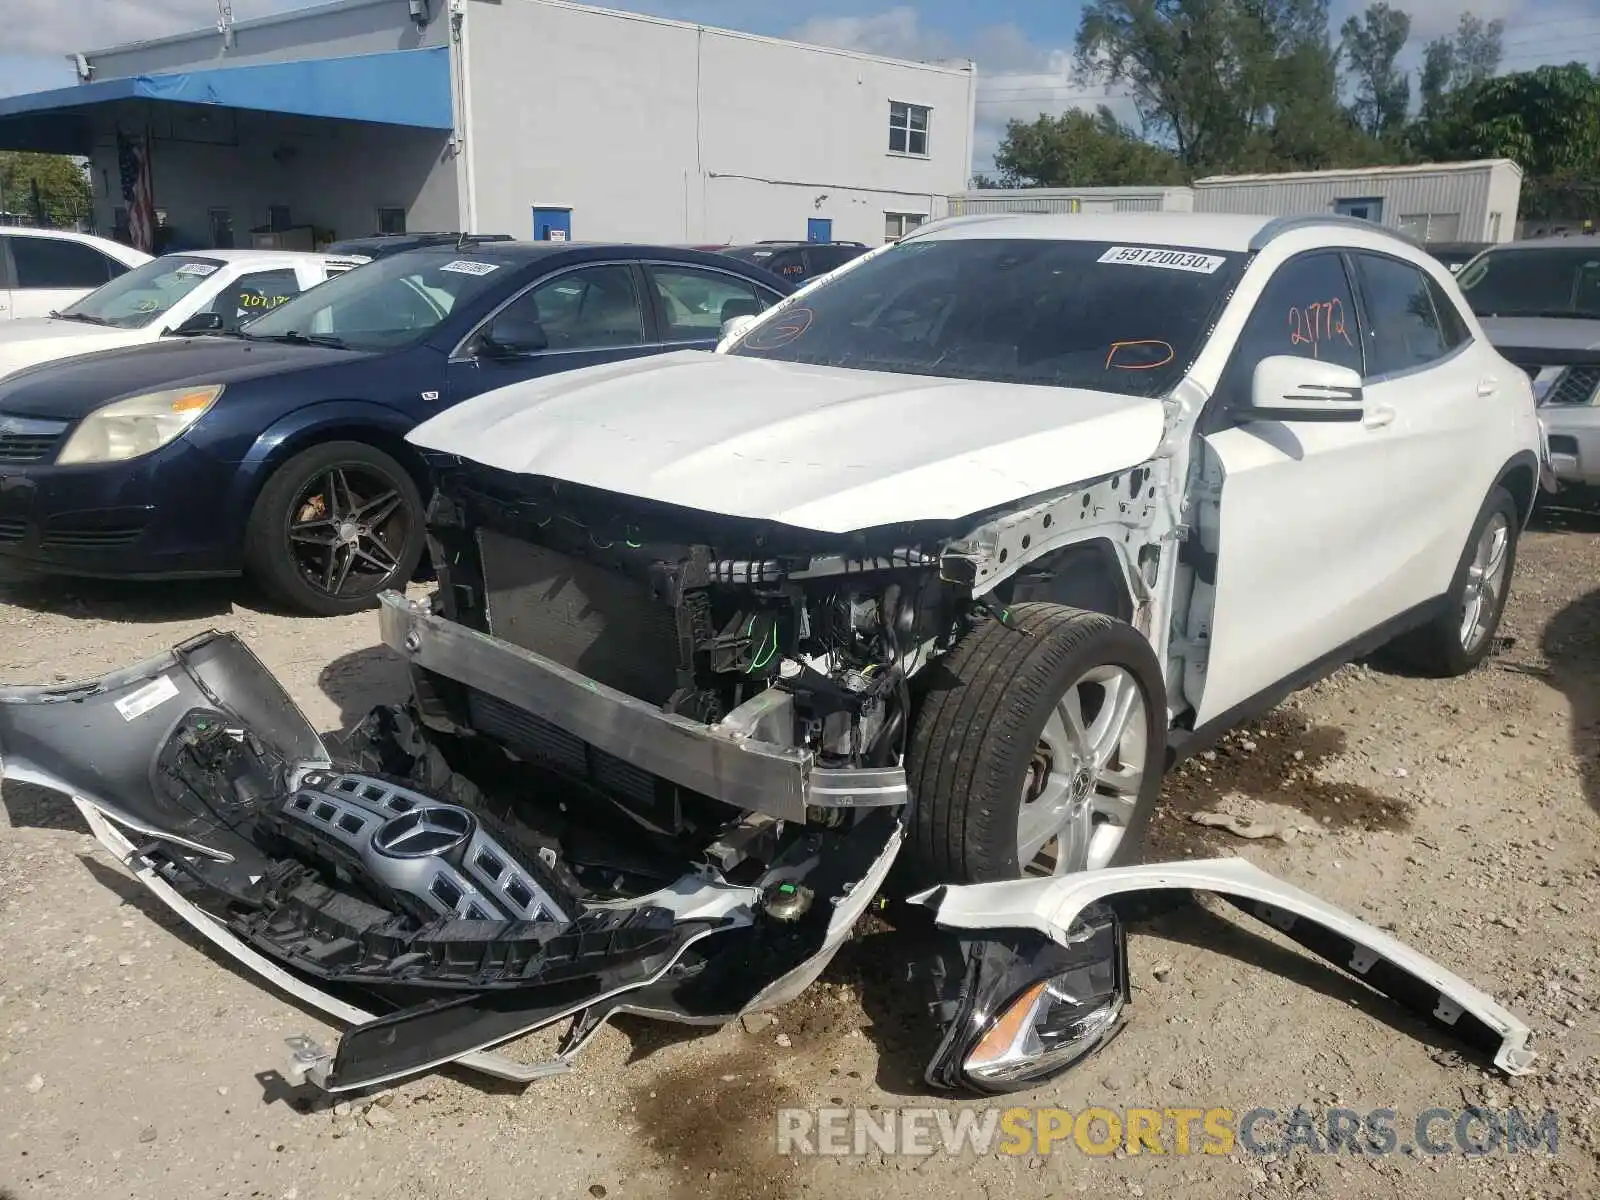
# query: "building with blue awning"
{"points": [[537, 118]]}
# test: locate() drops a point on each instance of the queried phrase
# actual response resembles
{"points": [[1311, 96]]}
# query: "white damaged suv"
{"points": [[1006, 515], [936, 563]]}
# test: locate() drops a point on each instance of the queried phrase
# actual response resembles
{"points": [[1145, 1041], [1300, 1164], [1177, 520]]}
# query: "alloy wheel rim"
{"points": [[1084, 780], [347, 530], [1480, 598]]}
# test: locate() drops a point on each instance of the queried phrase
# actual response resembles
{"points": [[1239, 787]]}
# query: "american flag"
{"points": [[133, 162]]}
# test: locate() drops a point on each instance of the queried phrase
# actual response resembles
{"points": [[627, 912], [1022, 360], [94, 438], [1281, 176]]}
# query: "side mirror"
{"points": [[1286, 387], [734, 326], [200, 322], [511, 336]]}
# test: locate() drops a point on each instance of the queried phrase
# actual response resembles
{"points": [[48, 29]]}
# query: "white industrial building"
{"points": [[1432, 202], [535, 118]]}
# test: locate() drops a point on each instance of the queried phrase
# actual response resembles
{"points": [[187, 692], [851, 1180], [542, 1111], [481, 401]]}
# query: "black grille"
{"points": [[598, 622], [12, 531], [27, 447], [1575, 385], [110, 538]]}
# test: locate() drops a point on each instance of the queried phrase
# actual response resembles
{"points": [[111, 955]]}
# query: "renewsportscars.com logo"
{"points": [[1174, 1131]]}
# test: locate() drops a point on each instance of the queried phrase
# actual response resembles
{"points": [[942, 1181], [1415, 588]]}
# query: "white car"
{"points": [[202, 291], [42, 270], [1013, 508]]}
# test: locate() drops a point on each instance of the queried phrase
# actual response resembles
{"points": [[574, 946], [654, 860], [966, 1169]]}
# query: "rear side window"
{"points": [[828, 258], [1452, 326], [1403, 327], [1306, 310], [58, 263]]}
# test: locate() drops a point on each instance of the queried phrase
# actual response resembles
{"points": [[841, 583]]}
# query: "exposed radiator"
{"points": [[600, 623]]}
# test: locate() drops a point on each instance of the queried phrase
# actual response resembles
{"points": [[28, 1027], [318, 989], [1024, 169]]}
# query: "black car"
{"points": [[380, 245], [798, 262], [1456, 255], [279, 449]]}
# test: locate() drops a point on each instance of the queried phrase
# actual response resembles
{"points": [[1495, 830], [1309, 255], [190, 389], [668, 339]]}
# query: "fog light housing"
{"points": [[1030, 1008]]}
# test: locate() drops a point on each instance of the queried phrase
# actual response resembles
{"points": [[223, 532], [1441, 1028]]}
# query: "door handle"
{"points": [[1488, 386], [1378, 416]]}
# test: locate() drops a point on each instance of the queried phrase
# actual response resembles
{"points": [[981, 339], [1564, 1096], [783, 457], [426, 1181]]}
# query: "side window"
{"points": [[790, 265], [1307, 310], [58, 263], [828, 258], [695, 303], [248, 296], [1403, 329], [591, 308], [1451, 323]]}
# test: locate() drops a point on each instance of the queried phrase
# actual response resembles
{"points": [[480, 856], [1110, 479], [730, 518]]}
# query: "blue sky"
{"points": [[1022, 47]]}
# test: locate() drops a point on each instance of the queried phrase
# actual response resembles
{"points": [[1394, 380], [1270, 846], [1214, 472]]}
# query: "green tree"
{"points": [[1371, 44], [1547, 120], [1081, 149], [63, 186], [1207, 77], [1454, 63]]}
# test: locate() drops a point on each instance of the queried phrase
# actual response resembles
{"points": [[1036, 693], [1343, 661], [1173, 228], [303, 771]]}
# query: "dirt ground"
{"points": [[1462, 816]]}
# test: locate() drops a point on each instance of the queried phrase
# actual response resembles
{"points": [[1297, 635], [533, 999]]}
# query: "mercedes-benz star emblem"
{"points": [[425, 832]]}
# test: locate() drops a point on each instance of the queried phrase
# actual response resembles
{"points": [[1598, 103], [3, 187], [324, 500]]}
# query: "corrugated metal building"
{"points": [[1071, 200], [1432, 202]]}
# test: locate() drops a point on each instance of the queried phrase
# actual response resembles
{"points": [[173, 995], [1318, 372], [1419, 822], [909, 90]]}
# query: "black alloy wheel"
{"points": [[334, 526]]}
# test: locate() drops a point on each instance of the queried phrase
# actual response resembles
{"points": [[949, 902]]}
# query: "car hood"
{"points": [[33, 340], [71, 388], [1542, 333], [822, 448]]}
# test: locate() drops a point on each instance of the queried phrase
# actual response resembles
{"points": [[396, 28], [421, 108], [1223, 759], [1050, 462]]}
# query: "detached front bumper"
{"points": [[729, 761]]}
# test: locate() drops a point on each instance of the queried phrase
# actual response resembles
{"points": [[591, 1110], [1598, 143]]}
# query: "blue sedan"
{"points": [[279, 450]]}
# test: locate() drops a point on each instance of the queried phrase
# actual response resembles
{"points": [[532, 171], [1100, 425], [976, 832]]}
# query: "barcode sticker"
{"points": [[466, 266], [151, 696]]}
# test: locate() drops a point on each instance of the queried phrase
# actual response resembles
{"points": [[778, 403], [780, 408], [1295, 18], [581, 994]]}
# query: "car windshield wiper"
{"points": [[84, 317], [295, 338]]}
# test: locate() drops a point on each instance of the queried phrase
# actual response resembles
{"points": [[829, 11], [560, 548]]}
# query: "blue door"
{"points": [[819, 229], [552, 224]]}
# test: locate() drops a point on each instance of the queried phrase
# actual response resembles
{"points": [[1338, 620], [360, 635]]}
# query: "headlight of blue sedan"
{"points": [[137, 426]]}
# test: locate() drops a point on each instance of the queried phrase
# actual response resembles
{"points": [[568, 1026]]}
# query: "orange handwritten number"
{"points": [[1320, 321]]}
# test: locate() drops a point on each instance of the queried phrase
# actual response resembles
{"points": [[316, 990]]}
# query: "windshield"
{"points": [[1117, 318], [384, 304], [1561, 282], [133, 300]]}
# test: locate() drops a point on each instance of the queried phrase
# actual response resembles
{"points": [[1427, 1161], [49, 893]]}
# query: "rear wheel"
{"points": [[333, 527], [1038, 749], [1460, 637]]}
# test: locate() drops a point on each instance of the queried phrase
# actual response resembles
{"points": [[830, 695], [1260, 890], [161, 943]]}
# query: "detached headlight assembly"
{"points": [[1029, 1008], [130, 428]]}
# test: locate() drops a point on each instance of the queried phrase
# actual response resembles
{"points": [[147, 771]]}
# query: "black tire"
{"points": [[1438, 649], [979, 724], [295, 571]]}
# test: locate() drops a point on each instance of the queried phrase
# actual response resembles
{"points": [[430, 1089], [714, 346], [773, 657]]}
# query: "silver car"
{"points": [[1539, 302]]}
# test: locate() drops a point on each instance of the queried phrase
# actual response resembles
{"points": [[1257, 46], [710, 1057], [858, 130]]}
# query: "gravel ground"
{"points": [[1461, 815]]}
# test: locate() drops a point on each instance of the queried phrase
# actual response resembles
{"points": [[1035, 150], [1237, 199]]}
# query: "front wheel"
{"points": [[1460, 637], [1038, 749], [333, 527]]}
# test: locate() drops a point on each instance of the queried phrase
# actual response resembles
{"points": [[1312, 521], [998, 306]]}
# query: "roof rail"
{"points": [[1279, 226]]}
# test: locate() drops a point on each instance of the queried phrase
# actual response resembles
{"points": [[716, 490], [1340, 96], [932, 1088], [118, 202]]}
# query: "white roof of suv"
{"points": [[1207, 231]]}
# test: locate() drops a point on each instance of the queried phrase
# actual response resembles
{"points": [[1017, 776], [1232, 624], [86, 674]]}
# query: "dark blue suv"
{"points": [[279, 450]]}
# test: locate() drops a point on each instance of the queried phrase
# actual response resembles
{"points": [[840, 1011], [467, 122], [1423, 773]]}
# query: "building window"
{"points": [[1432, 227], [897, 225], [908, 129], [1366, 208], [391, 220], [221, 228], [278, 217]]}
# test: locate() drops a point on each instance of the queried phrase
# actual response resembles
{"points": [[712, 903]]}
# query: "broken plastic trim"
{"points": [[1053, 906]]}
